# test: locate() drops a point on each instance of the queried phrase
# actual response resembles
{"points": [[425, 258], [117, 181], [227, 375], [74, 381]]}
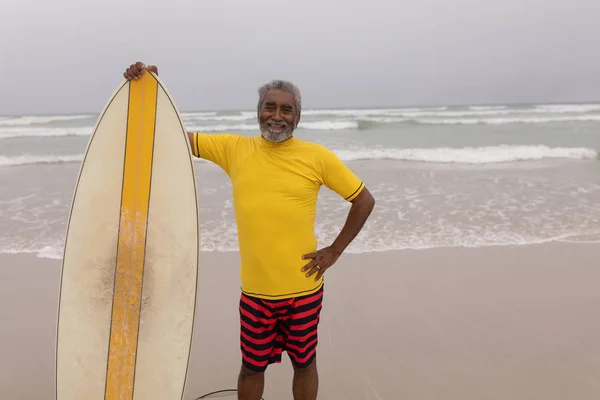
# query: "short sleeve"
{"points": [[337, 176], [217, 148]]}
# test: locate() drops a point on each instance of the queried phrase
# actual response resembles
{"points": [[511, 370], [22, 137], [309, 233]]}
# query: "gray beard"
{"points": [[275, 137]]}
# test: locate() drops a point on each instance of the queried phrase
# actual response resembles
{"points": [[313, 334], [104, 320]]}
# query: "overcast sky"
{"points": [[65, 56]]}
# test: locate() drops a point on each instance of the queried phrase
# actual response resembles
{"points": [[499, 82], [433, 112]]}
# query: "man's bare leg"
{"points": [[251, 384], [306, 382]]}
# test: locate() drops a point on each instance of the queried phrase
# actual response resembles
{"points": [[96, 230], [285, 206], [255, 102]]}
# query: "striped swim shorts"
{"points": [[270, 327]]}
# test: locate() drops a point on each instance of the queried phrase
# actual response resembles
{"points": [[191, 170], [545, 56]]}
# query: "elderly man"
{"points": [[276, 179]]}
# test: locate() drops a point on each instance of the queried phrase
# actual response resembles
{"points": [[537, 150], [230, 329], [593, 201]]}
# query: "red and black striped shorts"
{"points": [[269, 327]]}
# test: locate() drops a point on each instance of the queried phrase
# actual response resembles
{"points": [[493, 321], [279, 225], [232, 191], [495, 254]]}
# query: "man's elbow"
{"points": [[370, 202], [365, 200]]}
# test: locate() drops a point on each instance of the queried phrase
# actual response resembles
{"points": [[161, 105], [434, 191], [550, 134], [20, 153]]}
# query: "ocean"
{"points": [[442, 176]]}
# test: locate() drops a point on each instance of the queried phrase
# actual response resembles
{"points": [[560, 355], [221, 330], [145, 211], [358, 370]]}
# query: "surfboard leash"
{"points": [[204, 396]]}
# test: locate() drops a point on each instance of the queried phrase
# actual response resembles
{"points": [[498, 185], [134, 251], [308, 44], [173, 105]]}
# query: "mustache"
{"points": [[276, 123]]}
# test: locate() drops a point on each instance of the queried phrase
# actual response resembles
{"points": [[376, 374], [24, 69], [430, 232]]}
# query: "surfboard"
{"points": [[131, 256]]}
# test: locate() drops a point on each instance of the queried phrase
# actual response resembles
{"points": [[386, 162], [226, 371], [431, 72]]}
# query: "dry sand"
{"points": [[489, 323]]}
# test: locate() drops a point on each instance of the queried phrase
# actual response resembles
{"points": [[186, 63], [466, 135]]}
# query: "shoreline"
{"points": [[496, 322], [210, 253]]}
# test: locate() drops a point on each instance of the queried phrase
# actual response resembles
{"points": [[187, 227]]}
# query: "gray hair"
{"points": [[286, 86]]}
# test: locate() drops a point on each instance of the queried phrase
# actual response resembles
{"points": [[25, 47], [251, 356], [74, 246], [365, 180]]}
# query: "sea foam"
{"points": [[470, 155]]}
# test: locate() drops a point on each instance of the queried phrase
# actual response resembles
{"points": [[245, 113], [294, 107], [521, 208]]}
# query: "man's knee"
{"points": [[306, 368], [247, 373]]}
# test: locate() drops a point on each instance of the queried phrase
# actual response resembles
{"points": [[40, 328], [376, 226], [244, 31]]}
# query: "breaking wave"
{"points": [[470, 155], [42, 120], [31, 159], [465, 155]]}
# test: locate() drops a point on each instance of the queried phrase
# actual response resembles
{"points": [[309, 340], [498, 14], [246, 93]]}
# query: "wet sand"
{"points": [[514, 322]]}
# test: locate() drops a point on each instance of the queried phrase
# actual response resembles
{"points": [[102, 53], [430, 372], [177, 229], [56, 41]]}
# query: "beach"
{"points": [[494, 322], [474, 125], [475, 277]]}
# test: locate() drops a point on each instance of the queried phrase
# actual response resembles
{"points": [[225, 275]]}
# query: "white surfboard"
{"points": [[131, 256]]}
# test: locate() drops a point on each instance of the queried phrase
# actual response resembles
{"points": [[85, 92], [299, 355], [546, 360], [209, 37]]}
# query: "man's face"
{"points": [[277, 118]]}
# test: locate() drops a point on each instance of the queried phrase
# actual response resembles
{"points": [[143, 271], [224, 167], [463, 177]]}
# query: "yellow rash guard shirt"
{"points": [[275, 188]]}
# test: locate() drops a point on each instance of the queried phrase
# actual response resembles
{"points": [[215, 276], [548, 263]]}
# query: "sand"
{"points": [[489, 323]]}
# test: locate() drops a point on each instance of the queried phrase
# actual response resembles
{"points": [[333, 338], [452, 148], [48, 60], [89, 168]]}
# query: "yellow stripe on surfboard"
{"points": [[132, 239]]}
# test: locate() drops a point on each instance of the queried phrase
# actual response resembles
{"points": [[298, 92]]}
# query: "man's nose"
{"points": [[277, 115]]}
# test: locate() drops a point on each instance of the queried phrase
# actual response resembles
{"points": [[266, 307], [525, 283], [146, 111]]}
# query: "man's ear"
{"points": [[297, 120]]}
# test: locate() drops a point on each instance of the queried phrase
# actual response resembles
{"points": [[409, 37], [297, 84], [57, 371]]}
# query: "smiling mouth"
{"points": [[276, 127]]}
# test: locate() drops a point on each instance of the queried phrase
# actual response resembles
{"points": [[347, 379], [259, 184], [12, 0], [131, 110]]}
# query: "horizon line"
{"points": [[190, 110]]}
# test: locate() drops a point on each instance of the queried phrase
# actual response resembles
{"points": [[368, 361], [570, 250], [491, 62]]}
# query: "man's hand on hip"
{"points": [[321, 261]]}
